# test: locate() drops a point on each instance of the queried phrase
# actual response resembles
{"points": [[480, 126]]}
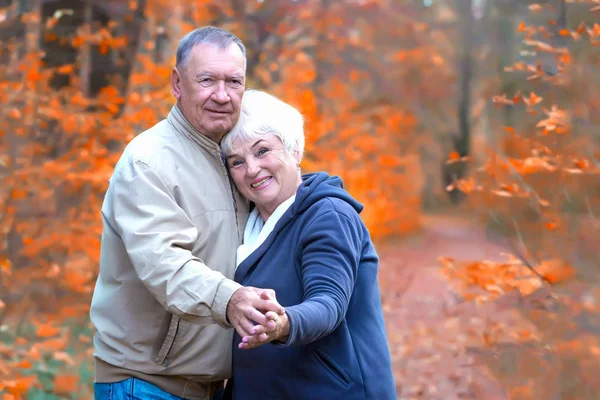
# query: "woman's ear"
{"points": [[296, 154]]}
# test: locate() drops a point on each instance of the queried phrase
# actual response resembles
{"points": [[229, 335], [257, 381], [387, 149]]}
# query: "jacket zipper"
{"points": [[165, 362]]}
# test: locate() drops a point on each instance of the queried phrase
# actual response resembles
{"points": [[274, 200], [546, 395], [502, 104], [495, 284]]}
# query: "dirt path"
{"points": [[428, 326]]}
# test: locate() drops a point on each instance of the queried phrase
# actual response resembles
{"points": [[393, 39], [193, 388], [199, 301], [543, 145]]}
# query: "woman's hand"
{"points": [[265, 334]]}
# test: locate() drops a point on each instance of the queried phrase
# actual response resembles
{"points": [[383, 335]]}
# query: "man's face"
{"points": [[209, 87]]}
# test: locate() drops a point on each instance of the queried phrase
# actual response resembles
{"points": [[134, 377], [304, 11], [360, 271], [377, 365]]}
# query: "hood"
{"points": [[316, 186]]}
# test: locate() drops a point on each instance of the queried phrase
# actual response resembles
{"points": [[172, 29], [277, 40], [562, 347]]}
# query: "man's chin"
{"points": [[221, 129]]}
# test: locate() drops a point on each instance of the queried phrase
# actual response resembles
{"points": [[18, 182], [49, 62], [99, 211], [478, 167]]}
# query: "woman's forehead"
{"points": [[255, 139]]}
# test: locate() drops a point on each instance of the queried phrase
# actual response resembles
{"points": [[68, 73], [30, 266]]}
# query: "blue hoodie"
{"points": [[321, 263]]}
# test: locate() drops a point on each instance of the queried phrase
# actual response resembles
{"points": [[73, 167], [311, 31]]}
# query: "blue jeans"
{"points": [[135, 389]]}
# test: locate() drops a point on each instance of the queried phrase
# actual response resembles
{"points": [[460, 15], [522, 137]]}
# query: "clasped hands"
{"points": [[257, 317]]}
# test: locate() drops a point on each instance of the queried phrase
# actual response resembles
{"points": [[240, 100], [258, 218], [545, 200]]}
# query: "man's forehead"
{"points": [[213, 54]]}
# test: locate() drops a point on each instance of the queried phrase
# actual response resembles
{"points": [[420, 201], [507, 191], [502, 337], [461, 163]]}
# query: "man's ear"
{"points": [[176, 83]]}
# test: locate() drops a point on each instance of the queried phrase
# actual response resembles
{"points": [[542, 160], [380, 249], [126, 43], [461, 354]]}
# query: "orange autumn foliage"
{"points": [[65, 384], [537, 192], [491, 279], [371, 146]]}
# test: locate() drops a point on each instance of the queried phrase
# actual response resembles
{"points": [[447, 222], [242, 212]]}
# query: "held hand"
{"points": [[264, 334], [247, 307]]}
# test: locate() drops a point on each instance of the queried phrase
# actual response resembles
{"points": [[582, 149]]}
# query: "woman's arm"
{"points": [[331, 252]]}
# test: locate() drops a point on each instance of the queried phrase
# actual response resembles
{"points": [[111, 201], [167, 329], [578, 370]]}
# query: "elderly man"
{"points": [[172, 220]]}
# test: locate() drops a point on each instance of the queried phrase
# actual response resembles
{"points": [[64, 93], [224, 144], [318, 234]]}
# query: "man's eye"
{"points": [[206, 81]]}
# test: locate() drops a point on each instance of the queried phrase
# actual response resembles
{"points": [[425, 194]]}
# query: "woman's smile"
{"points": [[261, 183]]}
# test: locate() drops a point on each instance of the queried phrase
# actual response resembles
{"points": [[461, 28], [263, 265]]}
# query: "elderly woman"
{"points": [[305, 240]]}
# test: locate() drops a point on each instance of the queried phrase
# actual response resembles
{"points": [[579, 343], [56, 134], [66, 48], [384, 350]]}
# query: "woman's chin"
{"points": [[261, 202]]}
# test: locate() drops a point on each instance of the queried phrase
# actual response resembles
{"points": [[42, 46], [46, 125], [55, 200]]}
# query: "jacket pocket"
{"points": [[168, 342], [334, 369]]}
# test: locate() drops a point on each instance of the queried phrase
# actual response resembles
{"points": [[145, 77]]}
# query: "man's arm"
{"points": [[159, 237]]}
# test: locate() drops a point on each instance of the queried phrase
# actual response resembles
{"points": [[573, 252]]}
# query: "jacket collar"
{"points": [[183, 126]]}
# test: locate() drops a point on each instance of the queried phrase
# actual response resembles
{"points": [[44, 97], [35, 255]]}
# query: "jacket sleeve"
{"points": [[158, 237], [331, 252]]}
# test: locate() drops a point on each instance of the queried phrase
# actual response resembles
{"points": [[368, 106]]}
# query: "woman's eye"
{"points": [[262, 152], [236, 163]]}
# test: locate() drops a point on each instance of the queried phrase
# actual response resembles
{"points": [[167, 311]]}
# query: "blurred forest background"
{"points": [[468, 128]]}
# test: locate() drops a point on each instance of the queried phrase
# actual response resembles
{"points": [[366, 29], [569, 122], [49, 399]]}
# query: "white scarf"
{"points": [[257, 230]]}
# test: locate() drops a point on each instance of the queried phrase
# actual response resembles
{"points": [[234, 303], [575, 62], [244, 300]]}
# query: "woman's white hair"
{"points": [[263, 113]]}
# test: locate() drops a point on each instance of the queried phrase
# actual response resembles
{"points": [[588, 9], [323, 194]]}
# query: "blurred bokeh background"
{"points": [[467, 128]]}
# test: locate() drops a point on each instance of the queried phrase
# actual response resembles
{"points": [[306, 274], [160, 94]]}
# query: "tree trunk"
{"points": [[462, 140], [85, 53]]}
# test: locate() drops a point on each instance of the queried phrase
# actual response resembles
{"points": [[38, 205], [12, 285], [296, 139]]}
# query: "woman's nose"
{"points": [[252, 168]]}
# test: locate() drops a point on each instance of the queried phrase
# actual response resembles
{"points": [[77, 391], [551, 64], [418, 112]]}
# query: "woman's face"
{"points": [[264, 172]]}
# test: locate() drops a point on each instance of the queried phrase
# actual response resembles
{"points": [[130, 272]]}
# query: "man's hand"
{"points": [[277, 329], [250, 306]]}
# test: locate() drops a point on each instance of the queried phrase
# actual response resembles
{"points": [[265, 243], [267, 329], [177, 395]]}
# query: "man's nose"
{"points": [[220, 94]]}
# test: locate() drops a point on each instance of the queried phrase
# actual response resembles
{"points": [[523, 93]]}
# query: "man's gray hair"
{"points": [[263, 113], [206, 35]]}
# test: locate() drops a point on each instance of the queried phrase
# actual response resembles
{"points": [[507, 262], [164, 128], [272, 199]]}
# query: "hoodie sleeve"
{"points": [[331, 252]]}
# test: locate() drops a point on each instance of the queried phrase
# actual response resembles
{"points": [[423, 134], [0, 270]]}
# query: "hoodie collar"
{"points": [[313, 188], [183, 126]]}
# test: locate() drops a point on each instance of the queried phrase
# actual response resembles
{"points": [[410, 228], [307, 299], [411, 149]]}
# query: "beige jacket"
{"points": [[172, 221]]}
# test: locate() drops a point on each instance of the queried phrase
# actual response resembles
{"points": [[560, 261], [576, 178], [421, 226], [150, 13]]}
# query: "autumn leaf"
{"points": [[18, 194], [453, 156], [535, 7], [503, 100], [24, 364], [388, 161], [535, 164], [555, 270], [18, 387], [551, 225], [464, 185], [578, 166], [65, 384], [517, 97], [15, 113], [532, 100], [47, 330], [65, 69], [64, 357], [6, 267], [53, 272]]}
